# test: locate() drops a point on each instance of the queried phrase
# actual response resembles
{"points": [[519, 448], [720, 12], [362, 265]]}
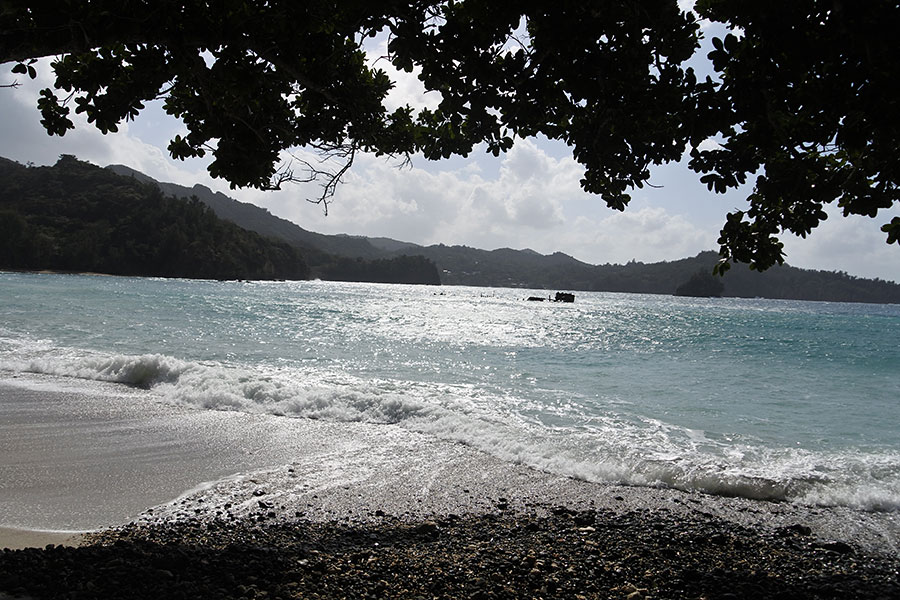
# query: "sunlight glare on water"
{"points": [[764, 398]]}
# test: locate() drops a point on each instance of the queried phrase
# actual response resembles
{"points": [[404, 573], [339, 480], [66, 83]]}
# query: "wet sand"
{"points": [[296, 507], [16, 539], [77, 461], [74, 460], [300, 508]]}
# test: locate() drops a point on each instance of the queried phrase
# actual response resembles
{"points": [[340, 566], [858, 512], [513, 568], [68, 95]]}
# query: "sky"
{"points": [[527, 198]]}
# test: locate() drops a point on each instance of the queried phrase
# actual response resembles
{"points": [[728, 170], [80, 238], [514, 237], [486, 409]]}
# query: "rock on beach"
{"points": [[544, 552]]}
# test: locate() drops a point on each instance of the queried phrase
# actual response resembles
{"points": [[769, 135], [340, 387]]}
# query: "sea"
{"points": [[764, 399]]}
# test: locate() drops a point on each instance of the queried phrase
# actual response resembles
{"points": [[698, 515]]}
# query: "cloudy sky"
{"points": [[528, 198]]}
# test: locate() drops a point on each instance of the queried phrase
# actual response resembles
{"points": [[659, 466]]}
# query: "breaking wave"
{"points": [[611, 447]]}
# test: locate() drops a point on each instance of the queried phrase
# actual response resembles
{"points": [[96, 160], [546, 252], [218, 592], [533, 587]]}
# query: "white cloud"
{"points": [[23, 138], [524, 206], [707, 144], [853, 244], [407, 90], [648, 234]]}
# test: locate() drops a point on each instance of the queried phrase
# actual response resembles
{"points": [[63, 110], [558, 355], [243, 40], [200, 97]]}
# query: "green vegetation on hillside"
{"points": [[344, 257], [461, 265], [702, 283], [401, 269], [77, 217], [330, 257], [258, 219]]}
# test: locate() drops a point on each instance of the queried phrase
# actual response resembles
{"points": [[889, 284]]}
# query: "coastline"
{"points": [[504, 531], [59, 272], [296, 507], [160, 463]]}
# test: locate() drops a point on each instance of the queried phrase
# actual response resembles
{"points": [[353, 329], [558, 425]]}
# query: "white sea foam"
{"points": [[764, 399], [612, 449], [144, 371]]}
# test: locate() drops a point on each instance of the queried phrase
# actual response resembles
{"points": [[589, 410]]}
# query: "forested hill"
{"points": [[777, 282], [75, 216], [255, 218], [461, 265], [525, 268], [330, 257]]}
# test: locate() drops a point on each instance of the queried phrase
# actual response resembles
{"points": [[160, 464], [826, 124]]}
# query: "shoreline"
{"points": [[465, 483], [361, 510], [504, 531], [161, 463], [301, 508], [13, 538]]}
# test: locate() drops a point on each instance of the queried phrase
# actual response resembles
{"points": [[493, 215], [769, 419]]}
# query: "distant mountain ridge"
{"points": [[506, 267]]}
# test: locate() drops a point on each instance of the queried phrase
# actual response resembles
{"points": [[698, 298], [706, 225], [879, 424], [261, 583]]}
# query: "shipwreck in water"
{"points": [[560, 297]]}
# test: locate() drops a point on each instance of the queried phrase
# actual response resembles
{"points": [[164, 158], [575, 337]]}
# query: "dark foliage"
{"points": [[701, 284], [77, 217], [330, 257], [803, 100], [402, 269], [807, 109]]}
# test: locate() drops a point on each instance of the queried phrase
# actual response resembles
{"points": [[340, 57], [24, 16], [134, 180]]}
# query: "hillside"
{"points": [[505, 267], [254, 218], [784, 281], [330, 257], [461, 265], [75, 216]]}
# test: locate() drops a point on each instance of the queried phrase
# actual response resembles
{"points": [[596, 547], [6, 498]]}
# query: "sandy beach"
{"points": [[77, 461], [15, 539], [357, 510]]}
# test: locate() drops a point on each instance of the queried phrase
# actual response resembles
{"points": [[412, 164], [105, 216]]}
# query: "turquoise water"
{"points": [[781, 400]]}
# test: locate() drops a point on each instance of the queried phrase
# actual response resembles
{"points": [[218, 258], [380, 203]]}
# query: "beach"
{"points": [[272, 506], [15, 539], [500, 554], [185, 439]]}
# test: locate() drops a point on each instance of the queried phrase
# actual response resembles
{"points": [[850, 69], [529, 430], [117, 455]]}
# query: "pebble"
{"points": [[553, 552]]}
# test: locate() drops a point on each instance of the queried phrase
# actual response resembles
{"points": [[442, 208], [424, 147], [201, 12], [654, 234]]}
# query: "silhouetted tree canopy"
{"points": [[802, 102]]}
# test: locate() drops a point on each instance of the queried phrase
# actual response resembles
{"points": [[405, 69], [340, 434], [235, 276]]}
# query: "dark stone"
{"points": [[586, 518], [428, 528], [795, 529], [839, 547], [493, 555]]}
